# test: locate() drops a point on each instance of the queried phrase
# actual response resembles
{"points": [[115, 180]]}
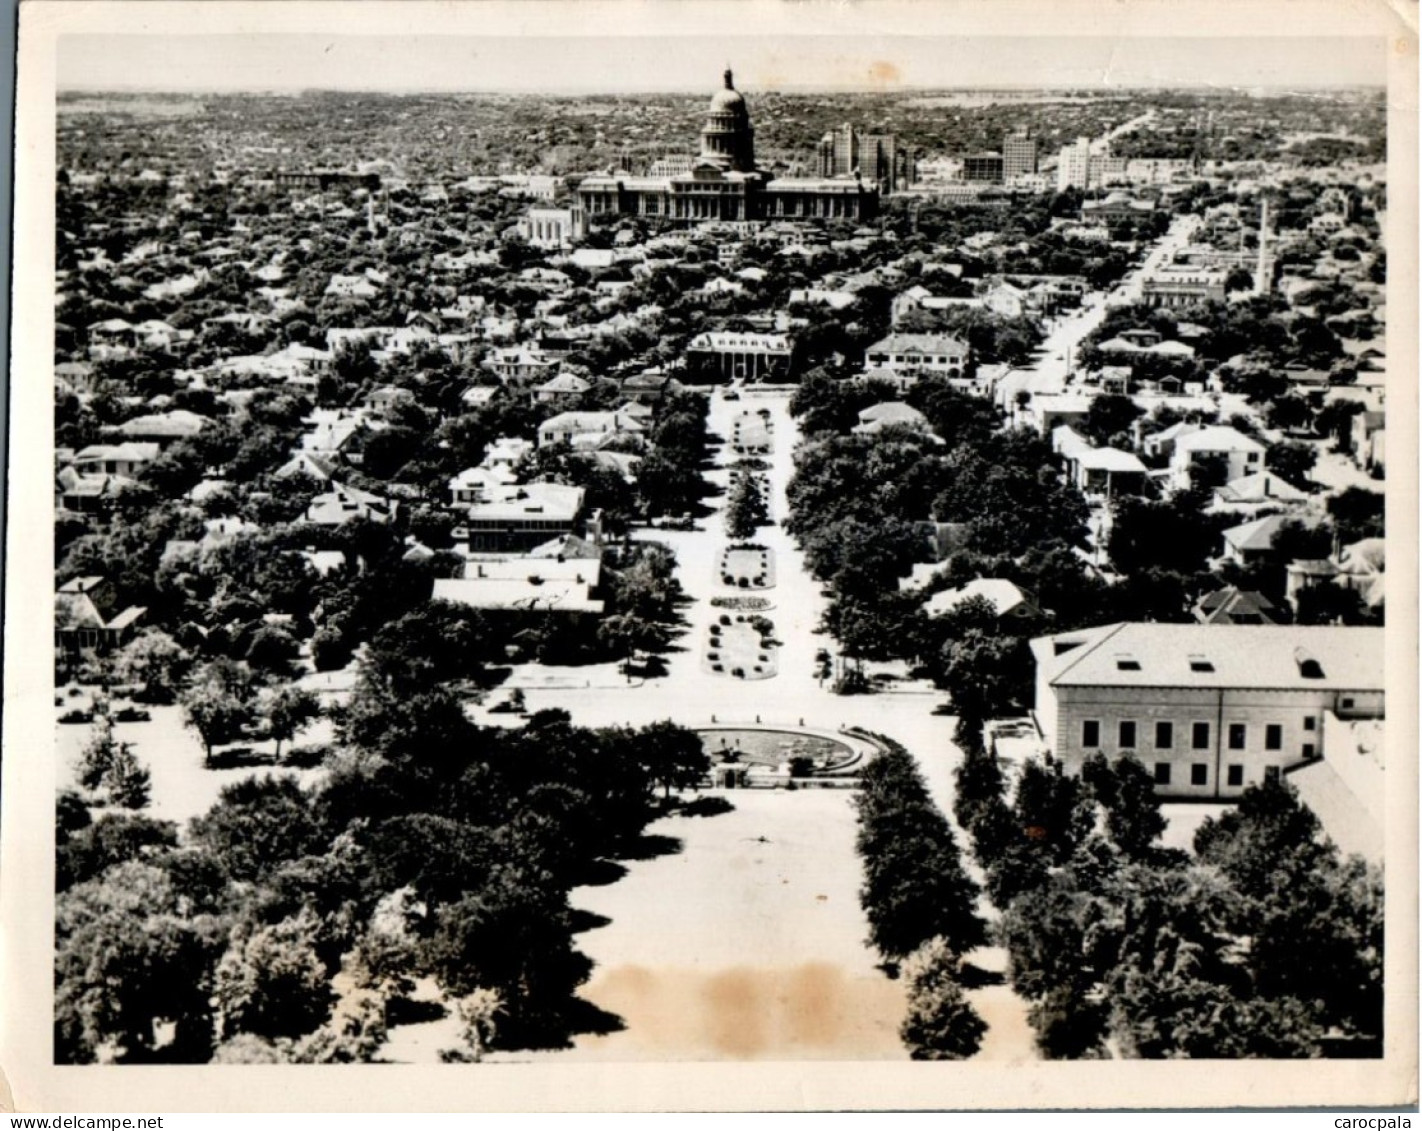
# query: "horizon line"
{"points": [[788, 88]]}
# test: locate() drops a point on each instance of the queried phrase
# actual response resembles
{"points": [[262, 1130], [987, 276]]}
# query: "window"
{"points": [[1126, 664], [1273, 737], [1200, 736], [1347, 703], [1199, 774], [1127, 735], [1164, 736], [1271, 773], [1162, 773], [1091, 733], [1310, 723], [1238, 735], [1308, 749], [1200, 664], [1235, 774]]}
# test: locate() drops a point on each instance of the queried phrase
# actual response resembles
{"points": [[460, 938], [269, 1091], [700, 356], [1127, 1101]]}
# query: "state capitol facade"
{"points": [[724, 184]]}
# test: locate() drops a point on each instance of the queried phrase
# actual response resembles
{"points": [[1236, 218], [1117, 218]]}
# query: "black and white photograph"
{"points": [[848, 541]]}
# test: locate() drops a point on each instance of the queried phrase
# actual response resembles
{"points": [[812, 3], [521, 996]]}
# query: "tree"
{"points": [[258, 824], [271, 982], [1358, 513], [915, 886], [745, 508], [126, 781], [627, 634], [940, 1024], [478, 1012], [1127, 791], [287, 710], [97, 757], [670, 755], [1315, 919], [156, 662], [131, 956], [512, 934], [113, 839], [217, 702], [1292, 463], [1109, 416], [1290, 414]]}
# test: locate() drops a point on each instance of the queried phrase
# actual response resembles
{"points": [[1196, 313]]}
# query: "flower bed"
{"points": [[742, 645], [747, 567], [742, 604], [751, 434]]}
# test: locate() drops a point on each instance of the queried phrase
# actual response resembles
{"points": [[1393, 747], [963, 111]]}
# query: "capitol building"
{"points": [[724, 184]]}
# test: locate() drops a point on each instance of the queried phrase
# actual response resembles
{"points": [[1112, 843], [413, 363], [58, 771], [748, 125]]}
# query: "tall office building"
{"points": [[1019, 155], [984, 168], [876, 157], [839, 152], [1074, 165], [1264, 269]]}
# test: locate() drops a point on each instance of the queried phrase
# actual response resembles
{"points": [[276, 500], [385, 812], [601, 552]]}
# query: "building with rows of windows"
{"points": [[724, 183], [1207, 708]]}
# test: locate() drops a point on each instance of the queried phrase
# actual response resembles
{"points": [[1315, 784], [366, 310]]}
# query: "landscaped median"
{"points": [[742, 645], [747, 566]]}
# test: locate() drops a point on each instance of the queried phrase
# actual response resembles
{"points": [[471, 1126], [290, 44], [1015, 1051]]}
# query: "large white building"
{"points": [[1209, 709]]}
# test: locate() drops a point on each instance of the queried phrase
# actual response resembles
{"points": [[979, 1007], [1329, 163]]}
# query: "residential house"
{"points": [[1262, 489], [587, 428], [906, 357], [1232, 605], [386, 398], [890, 414], [162, 428], [1210, 709], [127, 459], [1049, 410], [344, 504], [565, 386], [1252, 541], [82, 621], [1240, 455], [649, 387], [521, 364], [1107, 472], [1011, 604]]}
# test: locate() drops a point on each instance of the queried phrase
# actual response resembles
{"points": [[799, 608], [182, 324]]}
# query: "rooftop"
{"points": [[1289, 657]]}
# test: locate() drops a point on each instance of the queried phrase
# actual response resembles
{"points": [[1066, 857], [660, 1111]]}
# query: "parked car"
{"points": [[131, 715], [77, 715]]}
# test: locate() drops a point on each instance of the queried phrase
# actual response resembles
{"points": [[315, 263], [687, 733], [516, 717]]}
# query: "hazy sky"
{"points": [[532, 63]]}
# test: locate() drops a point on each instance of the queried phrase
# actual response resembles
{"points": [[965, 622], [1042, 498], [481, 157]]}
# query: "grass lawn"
{"points": [[182, 787]]}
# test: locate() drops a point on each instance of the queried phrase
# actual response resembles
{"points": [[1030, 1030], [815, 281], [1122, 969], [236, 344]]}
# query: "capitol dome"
{"points": [[727, 98], [728, 139]]}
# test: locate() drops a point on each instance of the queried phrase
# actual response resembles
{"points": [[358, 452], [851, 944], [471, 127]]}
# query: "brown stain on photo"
{"points": [[884, 73], [814, 1009]]}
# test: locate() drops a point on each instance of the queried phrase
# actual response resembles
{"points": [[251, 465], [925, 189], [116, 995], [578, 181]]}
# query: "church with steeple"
{"points": [[724, 183]]}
